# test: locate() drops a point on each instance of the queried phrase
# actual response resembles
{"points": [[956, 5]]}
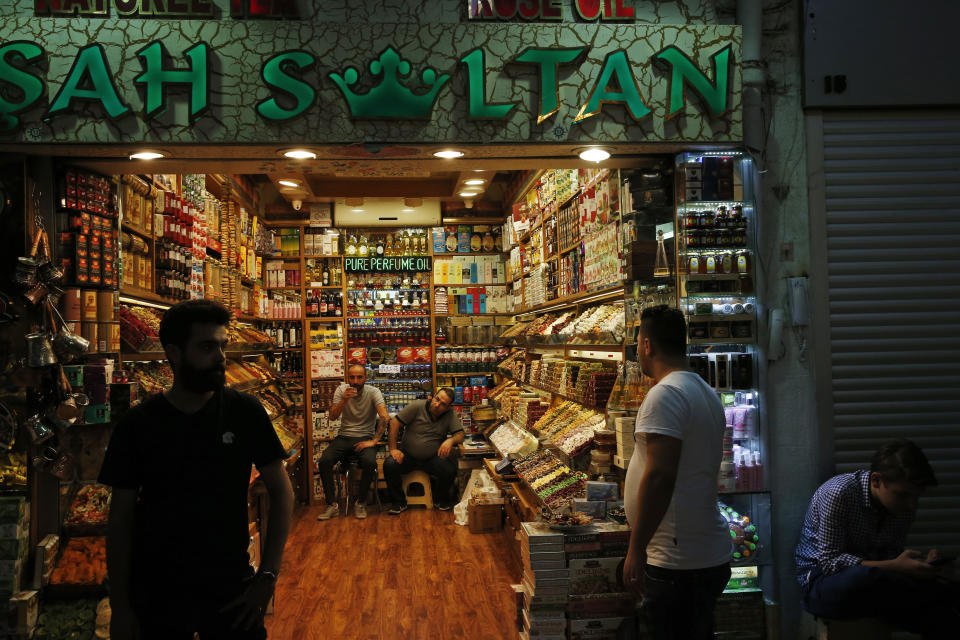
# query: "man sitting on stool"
{"points": [[357, 405], [431, 432], [851, 561]]}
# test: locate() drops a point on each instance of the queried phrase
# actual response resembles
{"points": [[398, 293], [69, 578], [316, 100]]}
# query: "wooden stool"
{"points": [[421, 478], [856, 629]]}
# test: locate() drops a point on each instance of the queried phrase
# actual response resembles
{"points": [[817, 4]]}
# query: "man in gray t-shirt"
{"points": [[431, 432], [358, 405]]}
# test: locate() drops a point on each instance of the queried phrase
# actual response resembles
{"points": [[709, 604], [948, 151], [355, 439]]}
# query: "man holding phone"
{"points": [[358, 406], [851, 561]]}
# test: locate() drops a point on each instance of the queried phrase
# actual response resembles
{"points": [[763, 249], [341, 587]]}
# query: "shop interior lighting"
{"points": [[408, 210], [357, 210], [469, 194], [474, 181], [449, 154], [144, 303], [594, 154], [146, 155], [300, 154], [412, 202], [289, 183]]}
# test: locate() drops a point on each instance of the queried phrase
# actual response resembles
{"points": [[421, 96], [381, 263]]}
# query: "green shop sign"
{"points": [[334, 83], [416, 264]]}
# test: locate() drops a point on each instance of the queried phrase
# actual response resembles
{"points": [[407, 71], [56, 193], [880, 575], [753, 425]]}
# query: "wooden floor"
{"points": [[414, 576]]}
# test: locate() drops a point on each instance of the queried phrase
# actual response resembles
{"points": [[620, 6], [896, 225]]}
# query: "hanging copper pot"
{"points": [[39, 350], [26, 272]]}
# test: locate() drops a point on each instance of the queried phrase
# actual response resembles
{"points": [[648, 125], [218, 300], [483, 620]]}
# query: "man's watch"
{"points": [[273, 575]]}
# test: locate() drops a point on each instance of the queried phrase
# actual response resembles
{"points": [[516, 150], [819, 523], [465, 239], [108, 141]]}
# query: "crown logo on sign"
{"points": [[390, 98]]}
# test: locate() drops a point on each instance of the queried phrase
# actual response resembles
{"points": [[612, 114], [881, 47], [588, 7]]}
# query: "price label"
{"points": [[389, 368]]}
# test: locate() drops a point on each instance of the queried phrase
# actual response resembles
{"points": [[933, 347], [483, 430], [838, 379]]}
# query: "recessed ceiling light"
{"points": [[594, 154], [289, 183], [146, 155], [469, 194], [357, 210], [408, 210], [479, 170], [448, 153], [475, 181], [300, 154]]}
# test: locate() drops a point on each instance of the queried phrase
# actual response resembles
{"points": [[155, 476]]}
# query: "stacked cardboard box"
{"points": [[14, 535], [570, 583], [625, 441]]}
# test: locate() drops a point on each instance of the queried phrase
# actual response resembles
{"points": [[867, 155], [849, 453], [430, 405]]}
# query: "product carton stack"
{"points": [[14, 538], [546, 583], [625, 442], [571, 588]]}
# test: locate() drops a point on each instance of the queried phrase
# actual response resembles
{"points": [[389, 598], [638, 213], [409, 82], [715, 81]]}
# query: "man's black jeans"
{"points": [[444, 469], [341, 450], [678, 605]]}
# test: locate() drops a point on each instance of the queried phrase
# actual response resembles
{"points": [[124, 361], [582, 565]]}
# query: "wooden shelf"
{"points": [[282, 288], [700, 277], [721, 341], [323, 319], [470, 284], [148, 296], [452, 254], [571, 247], [126, 226], [733, 317], [571, 301], [270, 256], [388, 315], [322, 379]]}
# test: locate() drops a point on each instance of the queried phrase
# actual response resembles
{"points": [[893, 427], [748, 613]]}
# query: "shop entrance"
{"points": [[508, 286]]}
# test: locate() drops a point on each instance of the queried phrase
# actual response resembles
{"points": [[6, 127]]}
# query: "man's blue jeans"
{"points": [[679, 604], [926, 607]]}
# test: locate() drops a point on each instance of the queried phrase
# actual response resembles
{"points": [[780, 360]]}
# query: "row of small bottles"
{"points": [[324, 304], [286, 335], [388, 300], [289, 364], [174, 257], [324, 274], [466, 359], [173, 284], [388, 331], [389, 281], [408, 242]]}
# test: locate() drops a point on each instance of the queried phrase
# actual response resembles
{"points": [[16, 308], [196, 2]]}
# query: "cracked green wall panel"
{"points": [[239, 49]]}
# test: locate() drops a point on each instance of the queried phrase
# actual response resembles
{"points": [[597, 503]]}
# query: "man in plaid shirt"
{"points": [[851, 562]]}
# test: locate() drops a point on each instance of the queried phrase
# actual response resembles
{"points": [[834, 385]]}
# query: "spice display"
{"points": [[91, 506], [73, 619], [84, 562], [554, 482], [509, 438], [605, 323], [152, 377]]}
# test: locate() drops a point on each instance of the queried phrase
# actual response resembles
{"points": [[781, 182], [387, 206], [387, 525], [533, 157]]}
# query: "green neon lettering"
{"points": [[276, 74], [549, 61], [29, 87], [684, 73], [156, 77], [90, 68], [615, 68], [477, 89]]}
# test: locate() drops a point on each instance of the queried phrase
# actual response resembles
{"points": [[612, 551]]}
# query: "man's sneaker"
{"points": [[397, 509], [445, 506], [331, 511], [360, 511]]}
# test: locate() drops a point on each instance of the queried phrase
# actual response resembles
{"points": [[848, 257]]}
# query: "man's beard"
{"points": [[203, 380]]}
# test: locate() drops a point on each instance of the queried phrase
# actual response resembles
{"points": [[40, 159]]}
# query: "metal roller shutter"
{"points": [[891, 187]]}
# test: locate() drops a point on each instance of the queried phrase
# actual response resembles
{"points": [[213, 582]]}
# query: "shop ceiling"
{"points": [[358, 170]]}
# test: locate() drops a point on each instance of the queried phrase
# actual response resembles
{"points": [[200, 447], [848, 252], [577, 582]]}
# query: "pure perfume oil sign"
{"points": [[416, 264]]}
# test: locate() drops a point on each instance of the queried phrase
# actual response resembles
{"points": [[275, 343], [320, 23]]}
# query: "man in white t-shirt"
{"points": [[679, 554]]}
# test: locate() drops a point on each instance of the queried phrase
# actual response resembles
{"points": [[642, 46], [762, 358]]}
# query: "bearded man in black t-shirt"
{"points": [[180, 465]]}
